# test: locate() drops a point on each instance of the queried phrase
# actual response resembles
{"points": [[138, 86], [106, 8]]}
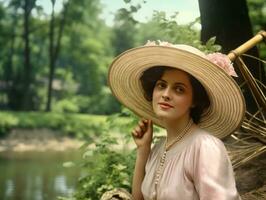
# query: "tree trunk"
{"points": [[51, 60], [54, 50], [26, 101], [8, 70], [229, 22]]}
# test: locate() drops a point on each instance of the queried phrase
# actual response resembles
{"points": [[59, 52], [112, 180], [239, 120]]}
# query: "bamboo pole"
{"points": [[247, 45], [251, 82]]}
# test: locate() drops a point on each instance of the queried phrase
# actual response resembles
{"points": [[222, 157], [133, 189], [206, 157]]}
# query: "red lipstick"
{"points": [[165, 105]]}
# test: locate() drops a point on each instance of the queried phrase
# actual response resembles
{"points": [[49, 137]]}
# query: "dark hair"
{"points": [[200, 98]]}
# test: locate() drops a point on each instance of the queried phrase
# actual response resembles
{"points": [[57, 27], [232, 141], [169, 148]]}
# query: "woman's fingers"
{"points": [[134, 133], [143, 126], [143, 132], [137, 132]]}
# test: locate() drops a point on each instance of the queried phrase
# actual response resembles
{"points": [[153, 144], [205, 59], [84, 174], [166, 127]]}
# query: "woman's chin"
{"points": [[165, 116]]}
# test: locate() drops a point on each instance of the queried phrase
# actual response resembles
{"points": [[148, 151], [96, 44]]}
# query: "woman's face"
{"points": [[172, 95]]}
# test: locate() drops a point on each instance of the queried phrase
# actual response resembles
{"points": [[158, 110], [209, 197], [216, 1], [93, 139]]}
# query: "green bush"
{"points": [[76, 125], [108, 162], [104, 169], [7, 122], [65, 106], [103, 103]]}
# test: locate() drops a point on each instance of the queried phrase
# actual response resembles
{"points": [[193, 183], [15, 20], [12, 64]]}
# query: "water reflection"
{"points": [[36, 175]]}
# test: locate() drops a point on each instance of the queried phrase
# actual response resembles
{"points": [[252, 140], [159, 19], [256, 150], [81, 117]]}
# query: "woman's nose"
{"points": [[166, 94], [166, 98]]}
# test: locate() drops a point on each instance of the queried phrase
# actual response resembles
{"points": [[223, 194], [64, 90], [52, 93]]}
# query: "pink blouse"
{"points": [[197, 167]]}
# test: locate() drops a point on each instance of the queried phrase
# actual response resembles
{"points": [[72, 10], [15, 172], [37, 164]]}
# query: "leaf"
{"points": [[87, 154], [69, 164], [133, 8], [127, 1], [211, 41], [119, 167], [216, 47]]}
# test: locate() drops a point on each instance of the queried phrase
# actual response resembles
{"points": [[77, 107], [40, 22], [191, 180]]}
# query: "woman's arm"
{"points": [[142, 135], [213, 172], [139, 172]]}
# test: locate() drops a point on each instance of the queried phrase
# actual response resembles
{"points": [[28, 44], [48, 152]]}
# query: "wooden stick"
{"points": [[247, 45]]}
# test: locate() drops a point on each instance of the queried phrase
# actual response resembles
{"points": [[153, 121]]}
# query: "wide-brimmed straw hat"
{"points": [[227, 105]]}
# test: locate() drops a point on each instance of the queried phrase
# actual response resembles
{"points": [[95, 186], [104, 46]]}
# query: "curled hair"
{"points": [[200, 98], [149, 79]]}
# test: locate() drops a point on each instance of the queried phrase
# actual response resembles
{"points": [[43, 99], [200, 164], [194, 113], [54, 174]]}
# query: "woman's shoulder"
{"points": [[205, 147], [204, 139]]}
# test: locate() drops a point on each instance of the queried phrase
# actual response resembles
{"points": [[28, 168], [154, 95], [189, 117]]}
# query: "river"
{"points": [[37, 175]]}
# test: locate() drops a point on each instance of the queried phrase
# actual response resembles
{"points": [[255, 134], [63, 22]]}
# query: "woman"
{"points": [[194, 98]]}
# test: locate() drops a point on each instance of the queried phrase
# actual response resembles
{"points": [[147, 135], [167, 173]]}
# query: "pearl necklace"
{"points": [[166, 148]]}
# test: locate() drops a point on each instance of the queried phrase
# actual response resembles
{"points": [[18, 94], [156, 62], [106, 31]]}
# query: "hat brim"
{"points": [[227, 105]]}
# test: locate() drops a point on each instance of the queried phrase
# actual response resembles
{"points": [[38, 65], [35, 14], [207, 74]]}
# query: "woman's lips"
{"points": [[165, 105]]}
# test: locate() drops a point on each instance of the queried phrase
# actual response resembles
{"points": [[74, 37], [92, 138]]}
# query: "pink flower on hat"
{"points": [[223, 62]]}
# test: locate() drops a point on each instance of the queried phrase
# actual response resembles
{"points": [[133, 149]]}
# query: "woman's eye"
{"points": [[179, 89], [160, 85]]}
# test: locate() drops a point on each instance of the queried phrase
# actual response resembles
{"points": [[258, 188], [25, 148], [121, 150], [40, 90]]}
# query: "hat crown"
{"points": [[182, 47]]}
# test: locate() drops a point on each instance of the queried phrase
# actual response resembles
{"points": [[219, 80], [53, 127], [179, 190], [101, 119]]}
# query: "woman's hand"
{"points": [[142, 133]]}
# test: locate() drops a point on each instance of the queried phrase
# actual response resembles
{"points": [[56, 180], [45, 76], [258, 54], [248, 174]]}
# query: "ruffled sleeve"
{"points": [[211, 170]]}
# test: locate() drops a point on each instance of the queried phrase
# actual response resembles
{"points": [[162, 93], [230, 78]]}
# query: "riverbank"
{"points": [[21, 140]]}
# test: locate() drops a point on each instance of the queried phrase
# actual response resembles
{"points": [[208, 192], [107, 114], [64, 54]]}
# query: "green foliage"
{"points": [[257, 14], [125, 28], [65, 106], [106, 169], [107, 162], [76, 125], [84, 55], [103, 103], [7, 121], [210, 46], [168, 29]]}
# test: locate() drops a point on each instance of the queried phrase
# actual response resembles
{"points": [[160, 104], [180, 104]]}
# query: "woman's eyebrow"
{"points": [[180, 83], [176, 83], [162, 80]]}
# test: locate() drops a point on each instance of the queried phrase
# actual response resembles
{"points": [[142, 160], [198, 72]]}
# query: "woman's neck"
{"points": [[175, 127]]}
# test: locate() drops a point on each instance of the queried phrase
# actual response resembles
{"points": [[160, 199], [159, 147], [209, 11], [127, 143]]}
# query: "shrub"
{"points": [[6, 123], [108, 162], [104, 169], [65, 106]]}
